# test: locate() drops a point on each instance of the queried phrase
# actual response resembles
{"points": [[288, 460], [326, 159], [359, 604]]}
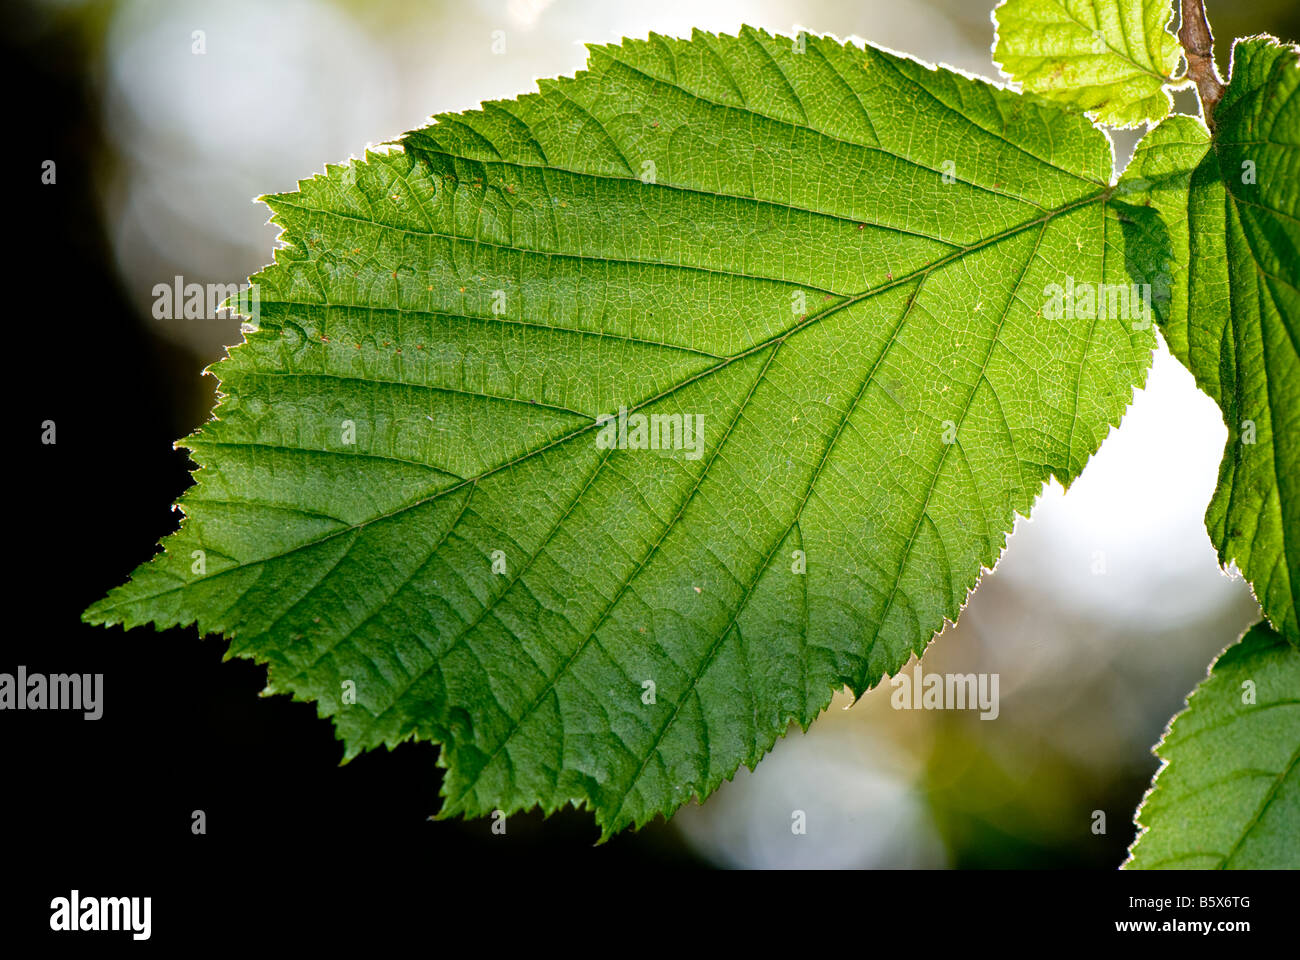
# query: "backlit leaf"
{"points": [[1110, 58], [1228, 793], [840, 259]]}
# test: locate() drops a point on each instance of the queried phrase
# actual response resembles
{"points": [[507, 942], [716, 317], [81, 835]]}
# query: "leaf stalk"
{"points": [[1198, 46]]}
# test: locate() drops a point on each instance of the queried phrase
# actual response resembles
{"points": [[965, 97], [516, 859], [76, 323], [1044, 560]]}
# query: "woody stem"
{"points": [[1198, 46]]}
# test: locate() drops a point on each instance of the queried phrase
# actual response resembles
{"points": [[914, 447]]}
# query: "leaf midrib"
{"points": [[1101, 196]]}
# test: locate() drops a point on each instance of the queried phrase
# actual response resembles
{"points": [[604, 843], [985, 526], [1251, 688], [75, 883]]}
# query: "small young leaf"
{"points": [[1110, 58], [1227, 795], [841, 259]]}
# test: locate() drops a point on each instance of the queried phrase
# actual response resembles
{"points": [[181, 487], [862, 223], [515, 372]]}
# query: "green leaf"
{"points": [[837, 257], [1227, 795], [1110, 58], [1159, 176], [1239, 337]]}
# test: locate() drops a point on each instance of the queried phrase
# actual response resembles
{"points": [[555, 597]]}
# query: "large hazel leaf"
{"points": [[1236, 321], [1228, 792], [837, 257], [1110, 58]]}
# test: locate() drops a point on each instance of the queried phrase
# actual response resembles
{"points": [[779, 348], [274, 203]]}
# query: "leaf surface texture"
{"points": [[836, 257]]}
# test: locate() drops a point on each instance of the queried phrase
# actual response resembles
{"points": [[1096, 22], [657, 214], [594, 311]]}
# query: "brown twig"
{"points": [[1198, 46]]}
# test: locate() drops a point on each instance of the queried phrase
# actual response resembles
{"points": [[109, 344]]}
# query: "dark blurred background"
{"points": [[1103, 614]]}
